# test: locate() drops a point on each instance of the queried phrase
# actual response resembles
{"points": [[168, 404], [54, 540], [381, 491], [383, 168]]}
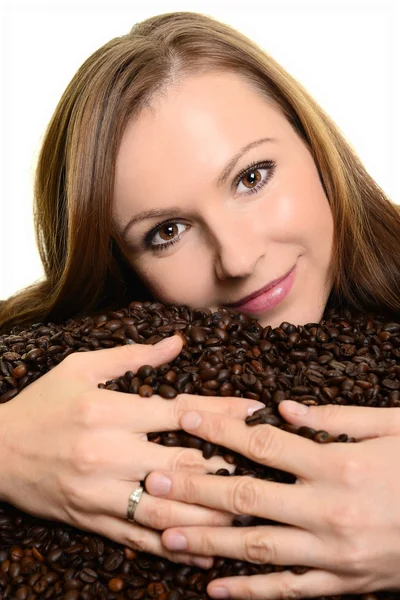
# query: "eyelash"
{"points": [[254, 166]]}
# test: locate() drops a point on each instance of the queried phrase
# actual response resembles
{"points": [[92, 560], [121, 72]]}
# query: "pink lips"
{"points": [[268, 297]]}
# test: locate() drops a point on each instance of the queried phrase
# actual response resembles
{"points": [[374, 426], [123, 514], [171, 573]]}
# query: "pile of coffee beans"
{"points": [[345, 359]]}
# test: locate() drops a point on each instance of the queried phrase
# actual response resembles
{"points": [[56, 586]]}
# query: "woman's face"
{"points": [[213, 243]]}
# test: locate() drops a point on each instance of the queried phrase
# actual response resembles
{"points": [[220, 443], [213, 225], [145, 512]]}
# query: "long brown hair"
{"points": [[85, 268]]}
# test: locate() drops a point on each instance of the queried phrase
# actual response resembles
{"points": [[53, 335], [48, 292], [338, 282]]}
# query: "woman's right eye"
{"points": [[164, 236]]}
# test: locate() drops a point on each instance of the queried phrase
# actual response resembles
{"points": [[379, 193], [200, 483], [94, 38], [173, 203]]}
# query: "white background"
{"points": [[344, 52]]}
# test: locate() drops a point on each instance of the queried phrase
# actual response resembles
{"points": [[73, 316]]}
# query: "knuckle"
{"points": [[75, 496], [343, 518], [86, 410], [206, 545], [180, 405], [258, 548], [262, 444], [358, 556], [352, 472], [159, 515], [140, 542], [244, 495], [218, 518], [289, 589], [83, 457], [187, 459]]}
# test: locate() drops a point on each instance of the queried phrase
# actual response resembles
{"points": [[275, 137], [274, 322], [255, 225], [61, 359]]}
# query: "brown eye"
{"points": [[164, 235], [168, 231], [251, 179]]}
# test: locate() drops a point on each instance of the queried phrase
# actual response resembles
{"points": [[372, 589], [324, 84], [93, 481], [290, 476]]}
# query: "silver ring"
{"points": [[133, 502]]}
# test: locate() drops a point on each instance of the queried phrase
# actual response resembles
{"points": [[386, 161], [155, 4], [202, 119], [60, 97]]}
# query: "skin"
{"points": [[344, 516], [238, 240]]}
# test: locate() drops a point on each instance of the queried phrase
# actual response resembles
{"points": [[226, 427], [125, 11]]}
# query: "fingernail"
{"points": [[296, 408], [254, 406], [190, 420], [175, 541], [218, 592], [159, 485]]}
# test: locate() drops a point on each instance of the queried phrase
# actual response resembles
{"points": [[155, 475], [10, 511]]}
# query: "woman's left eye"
{"points": [[251, 176], [168, 233]]}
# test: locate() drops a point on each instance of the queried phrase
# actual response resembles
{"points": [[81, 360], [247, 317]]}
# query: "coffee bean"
{"points": [[344, 359], [113, 561], [145, 391], [72, 595], [88, 575], [167, 391], [145, 371], [197, 335]]}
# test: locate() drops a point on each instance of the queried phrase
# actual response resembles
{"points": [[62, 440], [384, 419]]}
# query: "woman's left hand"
{"points": [[342, 520]]}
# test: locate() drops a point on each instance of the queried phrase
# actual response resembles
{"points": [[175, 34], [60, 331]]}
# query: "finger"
{"points": [[284, 584], [131, 411], [361, 422], [263, 444], [169, 459], [140, 538], [157, 513], [258, 545], [243, 495], [101, 365], [161, 514]]}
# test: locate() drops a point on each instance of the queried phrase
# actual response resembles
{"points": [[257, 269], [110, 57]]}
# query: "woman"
{"points": [[184, 164]]}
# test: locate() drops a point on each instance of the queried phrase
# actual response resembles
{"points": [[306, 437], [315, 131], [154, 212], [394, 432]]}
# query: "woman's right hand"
{"points": [[72, 452]]}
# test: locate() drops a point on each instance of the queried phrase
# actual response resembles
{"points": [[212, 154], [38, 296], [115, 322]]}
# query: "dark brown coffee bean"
{"points": [[17, 553], [145, 371], [323, 437], [113, 561], [54, 555], [342, 360], [167, 392], [34, 355], [197, 335], [145, 391], [72, 595], [209, 450], [307, 432], [19, 371], [208, 373], [88, 575], [14, 570]]}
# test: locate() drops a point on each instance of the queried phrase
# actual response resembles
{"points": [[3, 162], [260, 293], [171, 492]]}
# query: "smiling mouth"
{"points": [[261, 291]]}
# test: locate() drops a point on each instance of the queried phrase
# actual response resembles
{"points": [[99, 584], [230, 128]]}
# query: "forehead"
{"points": [[193, 129], [208, 107]]}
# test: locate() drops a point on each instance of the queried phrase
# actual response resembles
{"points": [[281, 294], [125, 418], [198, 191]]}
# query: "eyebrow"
{"points": [[221, 179]]}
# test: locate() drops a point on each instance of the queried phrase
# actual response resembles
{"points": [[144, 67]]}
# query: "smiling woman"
{"points": [[244, 227], [183, 163]]}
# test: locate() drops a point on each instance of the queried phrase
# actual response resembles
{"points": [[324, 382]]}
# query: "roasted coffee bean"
{"points": [[145, 371], [167, 391], [113, 561], [344, 359], [145, 391]]}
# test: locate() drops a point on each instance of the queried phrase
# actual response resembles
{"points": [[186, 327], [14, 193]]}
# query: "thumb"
{"points": [[108, 363], [360, 422]]}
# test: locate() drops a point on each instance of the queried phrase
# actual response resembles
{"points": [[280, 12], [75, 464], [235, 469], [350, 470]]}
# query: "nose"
{"points": [[238, 249]]}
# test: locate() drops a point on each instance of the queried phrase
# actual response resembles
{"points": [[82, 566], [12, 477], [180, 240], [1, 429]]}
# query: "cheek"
{"points": [[299, 212], [175, 277]]}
